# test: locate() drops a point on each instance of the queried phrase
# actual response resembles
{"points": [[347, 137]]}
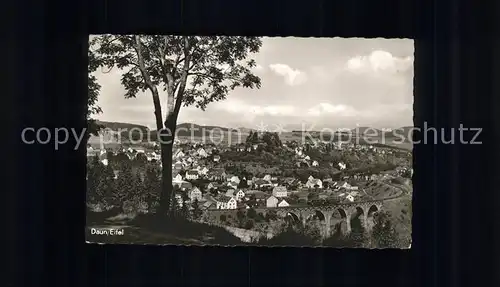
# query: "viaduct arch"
{"points": [[363, 210]]}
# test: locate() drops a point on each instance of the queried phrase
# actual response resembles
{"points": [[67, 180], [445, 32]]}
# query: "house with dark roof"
{"points": [[280, 191], [195, 193], [216, 174], [192, 174], [314, 183], [226, 202], [209, 205]]}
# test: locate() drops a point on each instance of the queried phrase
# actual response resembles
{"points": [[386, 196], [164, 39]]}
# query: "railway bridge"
{"points": [[328, 215], [340, 213]]}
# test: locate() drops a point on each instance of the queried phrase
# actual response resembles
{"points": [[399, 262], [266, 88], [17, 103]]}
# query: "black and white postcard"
{"points": [[262, 141]]}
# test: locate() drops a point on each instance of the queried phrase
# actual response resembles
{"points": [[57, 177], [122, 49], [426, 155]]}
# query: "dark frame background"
{"points": [[454, 193]]}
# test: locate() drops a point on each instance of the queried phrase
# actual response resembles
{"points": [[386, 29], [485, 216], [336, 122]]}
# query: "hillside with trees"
{"points": [[269, 140]]}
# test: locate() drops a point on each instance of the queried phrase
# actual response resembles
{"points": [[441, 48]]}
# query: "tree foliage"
{"points": [[192, 70], [383, 233], [152, 186], [352, 240], [196, 212], [100, 183], [289, 237], [251, 213], [126, 186], [93, 93]]}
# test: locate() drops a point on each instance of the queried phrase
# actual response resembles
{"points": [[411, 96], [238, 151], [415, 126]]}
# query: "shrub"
{"points": [[289, 237]]}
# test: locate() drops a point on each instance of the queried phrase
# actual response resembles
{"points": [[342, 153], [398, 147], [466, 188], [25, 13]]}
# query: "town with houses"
{"points": [[218, 177]]}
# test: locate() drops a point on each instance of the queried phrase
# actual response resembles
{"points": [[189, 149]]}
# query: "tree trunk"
{"points": [[167, 143], [166, 179]]}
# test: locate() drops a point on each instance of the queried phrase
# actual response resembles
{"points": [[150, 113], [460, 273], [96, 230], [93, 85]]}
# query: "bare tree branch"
{"points": [[149, 83], [183, 80]]}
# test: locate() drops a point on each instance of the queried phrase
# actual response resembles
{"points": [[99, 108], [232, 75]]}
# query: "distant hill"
{"points": [[115, 126], [188, 129], [367, 130], [403, 132]]}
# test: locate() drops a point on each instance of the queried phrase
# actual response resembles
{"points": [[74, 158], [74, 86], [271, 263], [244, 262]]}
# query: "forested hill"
{"points": [[115, 126], [183, 129]]}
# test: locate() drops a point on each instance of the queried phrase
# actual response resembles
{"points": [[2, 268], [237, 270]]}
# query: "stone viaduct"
{"points": [[327, 214]]}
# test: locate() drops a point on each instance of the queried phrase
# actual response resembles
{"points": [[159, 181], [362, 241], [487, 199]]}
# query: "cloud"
{"points": [[329, 109], [379, 62], [293, 77]]}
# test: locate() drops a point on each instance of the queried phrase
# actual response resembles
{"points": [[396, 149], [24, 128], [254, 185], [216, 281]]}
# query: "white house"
{"points": [[156, 156], [314, 182], [280, 191], [354, 193], [235, 179], [240, 195], [267, 177], [315, 163], [272, 202], [307, 157], [216, 158], [342, 166], [179, 154], [177, 178], [204, 171], [283, 203], [192, 175], [231, 203], [344, 184], [202, 152], [195, 193], [221, 205], [350, 198]]}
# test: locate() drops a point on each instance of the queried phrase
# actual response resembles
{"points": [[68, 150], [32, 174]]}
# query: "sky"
{"points": [[312, 83]]}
